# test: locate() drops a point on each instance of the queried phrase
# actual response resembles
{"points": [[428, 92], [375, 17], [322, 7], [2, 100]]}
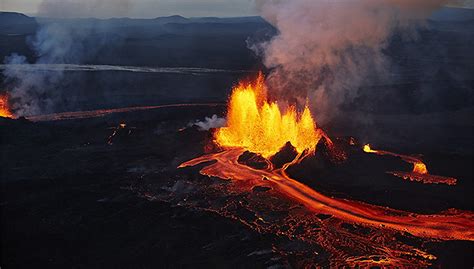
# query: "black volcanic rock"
{"points": [[286, 154], [121, 134], [61, 183], [333, 151], [261, 189], [328, 154], [253, 160], [200, 142]]}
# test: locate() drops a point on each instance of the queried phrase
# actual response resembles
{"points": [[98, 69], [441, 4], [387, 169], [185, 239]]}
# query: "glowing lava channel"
{"points": [[419, 172], [453, 224], [261, 127], [418, 166], [103, 112]]}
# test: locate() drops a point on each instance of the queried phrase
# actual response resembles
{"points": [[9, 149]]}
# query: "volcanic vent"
{"points": [[260, 126], [261, 142]]}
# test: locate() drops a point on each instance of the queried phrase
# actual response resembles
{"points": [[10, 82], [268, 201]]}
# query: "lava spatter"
{"points": [[262, 127], [355, 233]]}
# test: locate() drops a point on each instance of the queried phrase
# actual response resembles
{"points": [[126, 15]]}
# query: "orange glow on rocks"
{"points": [[258, 126], [261, 127]]}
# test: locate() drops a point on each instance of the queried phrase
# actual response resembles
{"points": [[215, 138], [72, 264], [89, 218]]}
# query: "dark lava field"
{"points": [[75, 195]]}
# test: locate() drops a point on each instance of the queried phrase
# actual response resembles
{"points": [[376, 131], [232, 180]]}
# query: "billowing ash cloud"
{"points": [[326, 49], [56, 42]]}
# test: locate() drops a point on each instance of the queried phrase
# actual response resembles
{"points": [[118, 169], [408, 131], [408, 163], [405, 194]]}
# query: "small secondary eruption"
{"points": [[368, 149], [261, 127], [418, 166], [419, 172], [5, 110]]}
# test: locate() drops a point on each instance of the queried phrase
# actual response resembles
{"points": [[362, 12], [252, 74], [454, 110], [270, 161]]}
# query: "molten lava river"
{"points": [[336, 231]]}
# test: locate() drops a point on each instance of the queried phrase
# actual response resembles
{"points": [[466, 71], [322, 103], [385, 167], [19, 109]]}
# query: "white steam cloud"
{"points": [[325, 50], [209, 123], [37, 91]]}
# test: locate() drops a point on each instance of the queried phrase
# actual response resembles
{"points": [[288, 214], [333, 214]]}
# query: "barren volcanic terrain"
{"points": [[75, 194], [159, 143]]}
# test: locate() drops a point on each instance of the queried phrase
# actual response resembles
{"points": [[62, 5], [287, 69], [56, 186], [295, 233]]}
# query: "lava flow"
{"points": [[4, 107], [260, 127], [103, 112], [453, 224], [419, 173]]}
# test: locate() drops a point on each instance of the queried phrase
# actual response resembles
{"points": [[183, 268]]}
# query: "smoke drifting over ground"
{"points": [[53, 43], [56, 43], [326, 50]]}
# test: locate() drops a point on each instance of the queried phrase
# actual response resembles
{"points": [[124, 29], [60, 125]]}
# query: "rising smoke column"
{"points": [[58, 42], [36, 92], [325, 50]]}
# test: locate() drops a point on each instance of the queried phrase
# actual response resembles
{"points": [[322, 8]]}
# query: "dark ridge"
{"points": [[13, 23], [253, 160], [286, 154]]}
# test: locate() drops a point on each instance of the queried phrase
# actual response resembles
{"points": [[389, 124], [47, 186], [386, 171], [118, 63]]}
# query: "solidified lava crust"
{"points": [[350, 233]]}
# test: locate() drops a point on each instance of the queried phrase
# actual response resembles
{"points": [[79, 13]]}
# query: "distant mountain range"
{"points": [[18, 23], [13, 23], [175, 40], [164, 41]]}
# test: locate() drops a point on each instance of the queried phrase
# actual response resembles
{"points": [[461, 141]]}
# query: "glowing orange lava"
{"points": [[419, 172], [256, 125], [368, 149], [261, 127], [418, 166], [448, 225], [4, 107]]}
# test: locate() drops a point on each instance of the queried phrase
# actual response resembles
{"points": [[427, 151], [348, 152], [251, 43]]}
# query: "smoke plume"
{"points": [[57, 42], [325, 50], [209, 123]]}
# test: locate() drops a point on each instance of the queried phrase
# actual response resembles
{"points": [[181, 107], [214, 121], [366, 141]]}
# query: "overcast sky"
{"points": [[136, 8]]}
